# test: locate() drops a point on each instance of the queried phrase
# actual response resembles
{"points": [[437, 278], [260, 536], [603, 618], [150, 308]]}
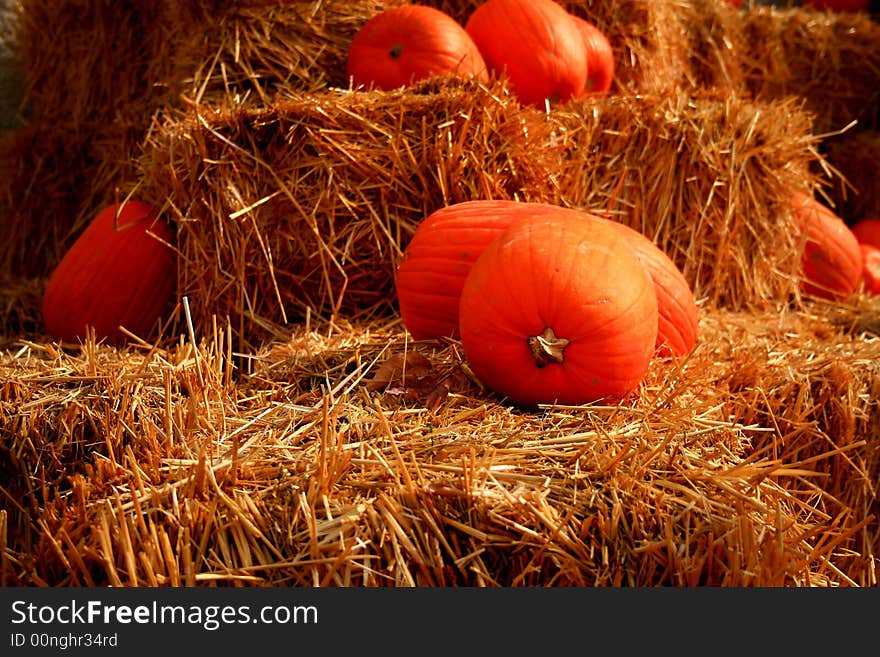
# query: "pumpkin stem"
{"points": [[396, 51], [547, 348]]}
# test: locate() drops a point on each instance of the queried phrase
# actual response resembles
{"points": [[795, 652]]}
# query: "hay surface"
{"points": [[348, 456]]}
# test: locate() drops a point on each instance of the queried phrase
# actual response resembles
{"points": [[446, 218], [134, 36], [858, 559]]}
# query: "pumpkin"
{"points": [[867, 231], [831, 262], [870, 268], [838, 5], [446, 243], [120, 271], [403, 44], [678, 317], [536, 44], [437, 260], [600, 57], [558, 311]]}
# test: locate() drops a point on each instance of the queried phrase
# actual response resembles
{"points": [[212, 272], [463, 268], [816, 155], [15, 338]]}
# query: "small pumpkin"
{"points": [[558, 311], [831, 262], [120, 271], [867, 231], [401, 45], [600, 57], [536, 44], [870, 268], [447, 242]]}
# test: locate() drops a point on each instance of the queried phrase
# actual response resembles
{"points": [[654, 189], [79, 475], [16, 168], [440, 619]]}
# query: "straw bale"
{"points": [[123, 63], [350, 456], [303, 207], [856, 156], [708, 177], [11, 74], [52, 182], [20, 308], [831, 59]]}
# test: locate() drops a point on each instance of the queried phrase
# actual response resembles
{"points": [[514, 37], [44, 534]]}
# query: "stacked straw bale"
{"points": [[830, 59], [302, 207], [122, 63], [351, 456]]}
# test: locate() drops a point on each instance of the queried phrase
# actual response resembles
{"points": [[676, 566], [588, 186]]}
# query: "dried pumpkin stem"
{"points": [[547, 348]]}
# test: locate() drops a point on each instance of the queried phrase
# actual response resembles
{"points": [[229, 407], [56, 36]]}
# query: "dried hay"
{"points": [[11, 74], [348, 456], [52, 182], [302, 207], [255, 451]]}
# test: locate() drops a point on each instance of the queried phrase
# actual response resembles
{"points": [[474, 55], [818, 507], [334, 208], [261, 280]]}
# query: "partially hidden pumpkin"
{"points": [[867, 231], [838, 5], [120, 272], [870, 268], [558, 311], [401, 45], [600, 57], [831, 262], [447, 242], [536, 44]]}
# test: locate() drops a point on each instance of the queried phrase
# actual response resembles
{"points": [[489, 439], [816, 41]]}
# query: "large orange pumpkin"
{"points": [[536, 43], [121, 271], [400, 45], [831, 262], [447, 242], [558, 311]]}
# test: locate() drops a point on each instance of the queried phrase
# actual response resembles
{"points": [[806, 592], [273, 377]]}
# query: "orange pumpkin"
{"points": [[831, 262], [600, 57], [558, 311], [403, 44], [867, 231], [536, 44], [678, 316], [437, 260], [121, 271], [870, 268], [445, 245]]}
